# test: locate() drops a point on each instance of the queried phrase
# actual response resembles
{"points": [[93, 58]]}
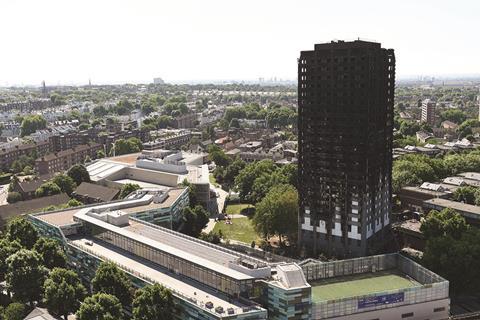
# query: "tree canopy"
{"points": [[194, 220], [276, 213], [15, 311], [79, 174], [7, 248], [454, 115], [63, 292], [51, 252], [128, 188], [23, 231], [25, 275], [130, 145], [48, 188], [452, 249], [153, 302], [32, 123], [100, 306], [65, 182], [110, 279]]}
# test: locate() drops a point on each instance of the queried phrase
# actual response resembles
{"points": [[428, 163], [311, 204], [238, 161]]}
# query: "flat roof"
{"points": [[58, 218], [171, 243], [194, 290], [360, 285], [172, 196], [209, 257], [460, 206], [126, 158], [143, 184]]}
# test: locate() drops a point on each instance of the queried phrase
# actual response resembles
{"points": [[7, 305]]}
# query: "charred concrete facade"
{"points": [[345, 99]]}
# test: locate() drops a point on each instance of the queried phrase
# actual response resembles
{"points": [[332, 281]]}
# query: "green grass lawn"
{"points": [[241, 230], [357, 285], [237, 208], [213, 181]]}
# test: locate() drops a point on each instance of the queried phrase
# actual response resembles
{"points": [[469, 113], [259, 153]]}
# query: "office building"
{"points": [[345, 122], [212, 282], [428, 112]]}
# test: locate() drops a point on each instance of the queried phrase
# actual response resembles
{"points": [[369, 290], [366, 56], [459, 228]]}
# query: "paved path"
{"points": [[210, 225]]}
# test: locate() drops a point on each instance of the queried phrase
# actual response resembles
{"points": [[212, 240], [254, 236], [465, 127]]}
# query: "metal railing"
{"points": [[193, 300], [261, 263]]}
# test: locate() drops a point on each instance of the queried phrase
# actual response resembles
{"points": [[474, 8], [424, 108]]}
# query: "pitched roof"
{"points": [[30, 206], [32, 185], [96, 191]]}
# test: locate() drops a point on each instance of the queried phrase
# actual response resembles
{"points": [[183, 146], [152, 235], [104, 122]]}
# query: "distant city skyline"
{"points": [[110, 42]]}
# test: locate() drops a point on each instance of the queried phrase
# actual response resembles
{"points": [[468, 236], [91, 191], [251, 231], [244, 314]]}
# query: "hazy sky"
{"points": [[116, 41]]}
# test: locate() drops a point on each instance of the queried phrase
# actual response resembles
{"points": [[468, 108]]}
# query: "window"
{"points": [[439, 309], [407, 315]]}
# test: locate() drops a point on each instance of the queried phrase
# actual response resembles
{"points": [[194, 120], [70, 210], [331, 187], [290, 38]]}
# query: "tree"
{"points": [[79, 174], [443, 223], [51, 252], [128, 188], [192, 192], [246, 178], [23, 231], [25, 275], [465, 194], [21, 163], [136, 142], [452, 249], [32, 123], [63, 292], [454, 115], [49, 188], [74, 203], [194, 220], [100, 306], [14, 196], [100, 111], [277, 212], [465, 128], [131, 145], [147, 108], [65, 183], [111, 280], [233, 170], [7, 248], [408, 128], [164, 121], [219, 157], [100, 154], [153, 302], [15, 311]]}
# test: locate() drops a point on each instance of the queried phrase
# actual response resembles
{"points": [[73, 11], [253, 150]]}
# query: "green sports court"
{"points": [[359, 285]]}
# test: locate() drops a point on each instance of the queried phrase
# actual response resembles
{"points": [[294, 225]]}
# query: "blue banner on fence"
{"points": [[379, 300]]}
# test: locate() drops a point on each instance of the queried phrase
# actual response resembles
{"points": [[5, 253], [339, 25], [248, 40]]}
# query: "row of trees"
{"points": [[255, 180], [416, 169], [32, 123], [276, 115], [60, 183], [452, 249], [35, 270], [125, 146]]}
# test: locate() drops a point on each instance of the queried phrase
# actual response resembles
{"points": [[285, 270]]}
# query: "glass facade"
{"points": [[175, 264]]}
